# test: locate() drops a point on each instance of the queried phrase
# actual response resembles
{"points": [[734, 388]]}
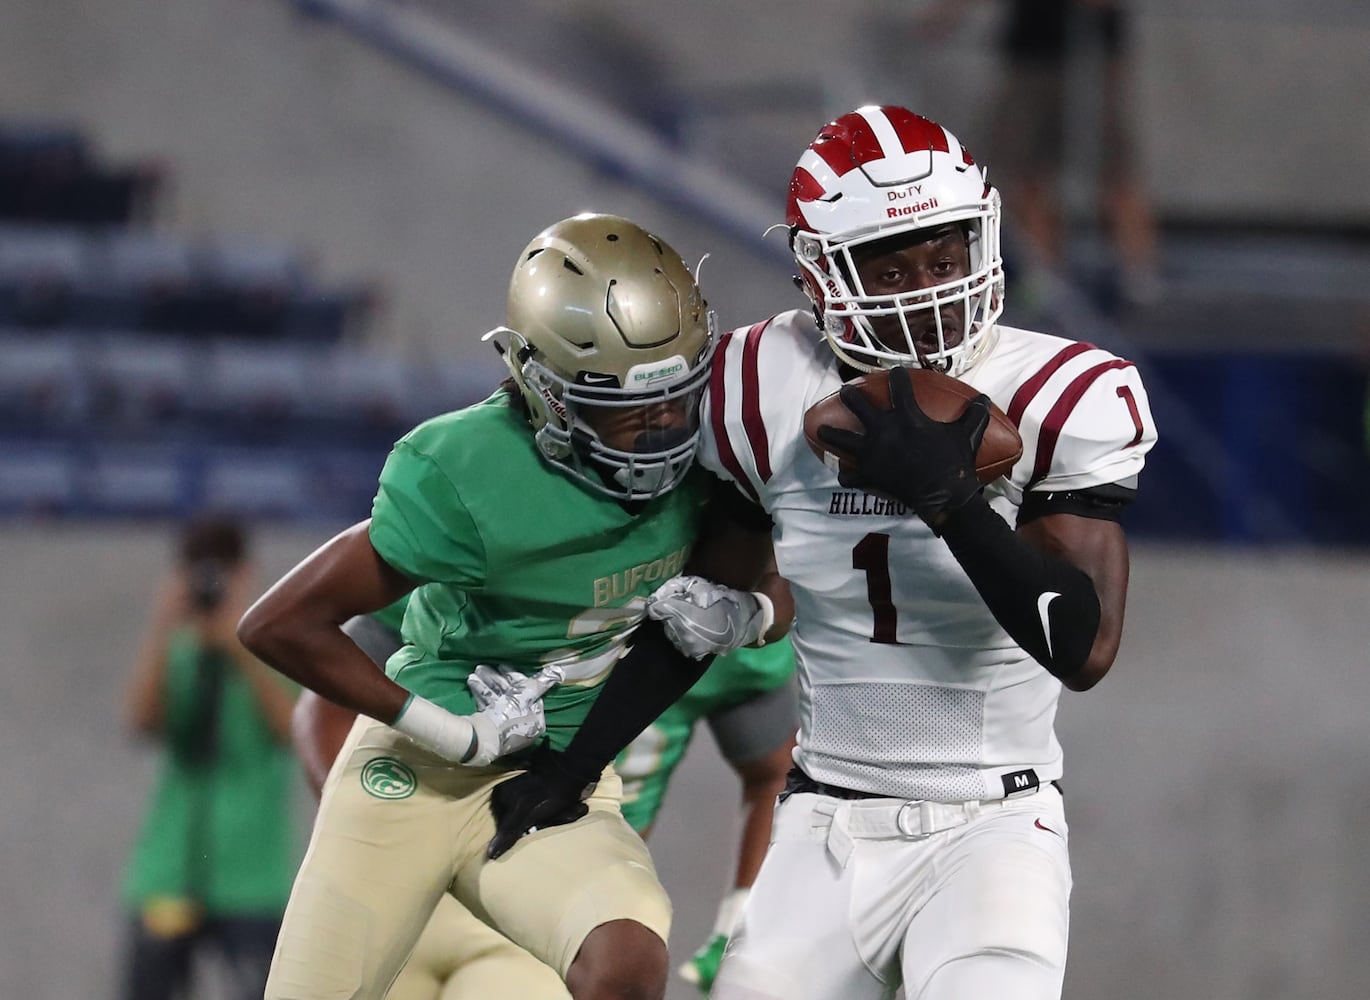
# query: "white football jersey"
{"points": [[909, 687]]}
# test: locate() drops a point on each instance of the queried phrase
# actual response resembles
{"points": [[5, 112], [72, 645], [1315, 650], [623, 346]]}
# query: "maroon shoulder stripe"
{"points": [[1062, 409], [1029, 389], [751, 403], [726, 455]]}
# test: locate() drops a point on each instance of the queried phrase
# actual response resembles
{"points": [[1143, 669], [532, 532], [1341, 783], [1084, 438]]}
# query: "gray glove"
{"points": [[509, 703], [510, 716], [703, 618]]}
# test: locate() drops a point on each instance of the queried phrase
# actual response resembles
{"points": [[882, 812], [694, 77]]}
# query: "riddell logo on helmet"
{"points": [[914, 209], [554, 404]]}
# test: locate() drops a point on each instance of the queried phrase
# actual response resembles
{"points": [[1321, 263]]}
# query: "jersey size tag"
{"points": [[1020, 783]]}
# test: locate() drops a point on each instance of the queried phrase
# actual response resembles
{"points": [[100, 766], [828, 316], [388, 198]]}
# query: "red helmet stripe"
{"points": [[835, 147], [915, 132], [803, 187]]}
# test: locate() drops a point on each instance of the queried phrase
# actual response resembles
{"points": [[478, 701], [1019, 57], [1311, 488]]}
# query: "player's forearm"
{"points": [[652, 675], [1047, 605], [774, 587], [295, 627], [316, 654]]}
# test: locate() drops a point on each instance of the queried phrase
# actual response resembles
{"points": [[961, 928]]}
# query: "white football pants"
{"points": [[952, 900]]}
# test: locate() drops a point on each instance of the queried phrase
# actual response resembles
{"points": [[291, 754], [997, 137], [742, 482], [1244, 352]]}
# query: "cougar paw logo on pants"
{"points": [[388, 778]]}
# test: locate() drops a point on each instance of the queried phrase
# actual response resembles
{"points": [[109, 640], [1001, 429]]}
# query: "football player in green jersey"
{"points": [[535, 526], [749, 701]]}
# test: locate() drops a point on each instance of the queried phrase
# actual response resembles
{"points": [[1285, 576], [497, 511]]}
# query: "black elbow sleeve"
{"points": [[1048, 606], [650, 677]]}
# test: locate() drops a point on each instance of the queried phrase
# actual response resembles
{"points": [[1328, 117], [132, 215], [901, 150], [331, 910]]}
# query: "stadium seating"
{"points": [[146, 374]]}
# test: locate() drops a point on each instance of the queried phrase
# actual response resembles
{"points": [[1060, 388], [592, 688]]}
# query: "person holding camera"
{"points": [[211, 868]]}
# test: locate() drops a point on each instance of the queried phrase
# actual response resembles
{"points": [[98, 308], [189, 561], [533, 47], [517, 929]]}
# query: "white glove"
{"points": [[701, 617], [510, 716]]}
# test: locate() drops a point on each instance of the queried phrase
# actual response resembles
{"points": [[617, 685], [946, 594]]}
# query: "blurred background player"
{"points": [[1048, 49], [748, 700], [921, 837], [534, 526], [211, 868]]}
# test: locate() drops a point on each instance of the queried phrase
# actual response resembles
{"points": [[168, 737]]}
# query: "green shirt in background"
{"points": [[219, 828]]}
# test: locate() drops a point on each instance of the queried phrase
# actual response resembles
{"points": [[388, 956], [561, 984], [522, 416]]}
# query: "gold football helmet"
{"points": [[609, 341]]}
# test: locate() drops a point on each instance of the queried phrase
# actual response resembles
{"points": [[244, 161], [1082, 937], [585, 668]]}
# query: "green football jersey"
{"points": [[521, 565], [647, 764]]}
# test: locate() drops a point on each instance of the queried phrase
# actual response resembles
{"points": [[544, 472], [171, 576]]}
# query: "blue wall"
{"points": [[1292, 461]]}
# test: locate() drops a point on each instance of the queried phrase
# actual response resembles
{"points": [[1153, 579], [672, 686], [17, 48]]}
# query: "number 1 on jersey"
{"points": [[872, 556], [1125, 394]]}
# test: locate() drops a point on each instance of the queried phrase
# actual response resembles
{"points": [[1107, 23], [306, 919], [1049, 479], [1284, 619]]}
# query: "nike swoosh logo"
{"points": [[1039, 825], [727, 633], [1043, 605], [699, 628], [596, 379]]}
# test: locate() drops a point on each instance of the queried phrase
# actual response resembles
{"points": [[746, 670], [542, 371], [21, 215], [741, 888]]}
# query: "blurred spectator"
{"points": [[1043, 45], [211, 869]]}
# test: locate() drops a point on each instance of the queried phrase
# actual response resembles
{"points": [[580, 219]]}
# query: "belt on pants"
{"points": [[798, 782], [851, 815]]}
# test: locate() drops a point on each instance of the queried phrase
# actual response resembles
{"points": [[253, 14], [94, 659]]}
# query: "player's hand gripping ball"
{"points": [[920, 438], [940, 397]]}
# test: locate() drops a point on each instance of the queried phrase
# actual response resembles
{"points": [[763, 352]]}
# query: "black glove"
{"points": [[547, 794], [906, 455]]}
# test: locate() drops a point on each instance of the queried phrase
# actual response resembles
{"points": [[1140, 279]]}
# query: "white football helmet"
{"points": [[609, 341], [878, 172]]}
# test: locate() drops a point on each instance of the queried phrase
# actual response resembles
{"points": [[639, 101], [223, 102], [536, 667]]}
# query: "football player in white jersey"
{"points": [[921, 839]]}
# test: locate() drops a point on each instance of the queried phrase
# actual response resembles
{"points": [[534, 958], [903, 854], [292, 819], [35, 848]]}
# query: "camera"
{"points": [[207, 580]]}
